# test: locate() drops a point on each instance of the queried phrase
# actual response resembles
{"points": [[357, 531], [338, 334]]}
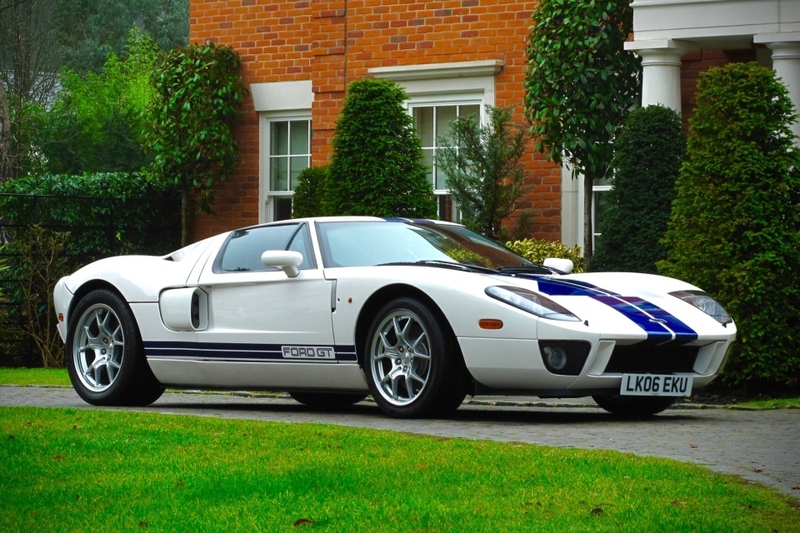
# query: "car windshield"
{"points": [[371, 243]]}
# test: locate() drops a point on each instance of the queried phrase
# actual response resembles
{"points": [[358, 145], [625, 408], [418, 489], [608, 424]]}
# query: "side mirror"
{"points": [[286, 260], [564, 266]]}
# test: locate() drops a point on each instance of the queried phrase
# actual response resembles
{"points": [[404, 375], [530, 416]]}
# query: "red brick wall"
{"points": [[333, 42]]}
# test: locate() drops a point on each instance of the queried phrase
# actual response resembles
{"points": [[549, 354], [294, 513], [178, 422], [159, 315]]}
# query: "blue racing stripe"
{"points": [[658, 324]]}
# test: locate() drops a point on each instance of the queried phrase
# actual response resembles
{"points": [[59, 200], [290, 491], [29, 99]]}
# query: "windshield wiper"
{"points": [[443, 264], [526, 269]]}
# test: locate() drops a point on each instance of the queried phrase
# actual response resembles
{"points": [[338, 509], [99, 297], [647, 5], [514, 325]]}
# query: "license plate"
{"points": [[655, 385]]}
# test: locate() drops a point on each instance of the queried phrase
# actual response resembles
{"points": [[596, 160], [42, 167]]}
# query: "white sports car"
{"points": [[416, 313]]}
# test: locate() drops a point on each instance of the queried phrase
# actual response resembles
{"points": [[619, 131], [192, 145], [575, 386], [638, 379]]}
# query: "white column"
{"points": [[661, 71], [786, 63]]}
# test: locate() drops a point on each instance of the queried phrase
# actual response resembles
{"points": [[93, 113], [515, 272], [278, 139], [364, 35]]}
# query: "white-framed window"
{"points": [[284, 147], [438, 94], [286, 151], [432, 121]]}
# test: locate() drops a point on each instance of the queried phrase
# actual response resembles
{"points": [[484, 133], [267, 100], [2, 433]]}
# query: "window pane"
{"points": [[470, 110], [279, 138], [298, 164], [299, 137], [444, 116], [441, 180], [279, 174], [283, 207], [427, 160], [423, 120]]}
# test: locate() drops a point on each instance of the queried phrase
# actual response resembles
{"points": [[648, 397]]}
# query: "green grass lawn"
{"points": [[98, 470]]}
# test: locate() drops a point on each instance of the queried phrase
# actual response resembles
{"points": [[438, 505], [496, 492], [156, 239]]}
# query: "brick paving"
{"points": [[761, 446]]}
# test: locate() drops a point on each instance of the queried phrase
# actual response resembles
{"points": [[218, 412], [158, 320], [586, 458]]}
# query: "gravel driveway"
{"points": [[761, 446]]}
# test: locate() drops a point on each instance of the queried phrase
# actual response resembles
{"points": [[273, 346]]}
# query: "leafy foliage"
{"points": [[483, 170], [89, 31], [98, 121], [55, 224], [309, 192], [537, 250], [198, 91], [648, 156], [580, 84], [376, 166], [735, 223], [110, 214], [39, 262]]}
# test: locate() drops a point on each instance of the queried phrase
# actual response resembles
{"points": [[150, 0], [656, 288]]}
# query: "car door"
{"points": [[257, 313]]}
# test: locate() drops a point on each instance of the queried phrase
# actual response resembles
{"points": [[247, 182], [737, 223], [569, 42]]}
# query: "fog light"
{"points": [[564, 358], [556, 357]]}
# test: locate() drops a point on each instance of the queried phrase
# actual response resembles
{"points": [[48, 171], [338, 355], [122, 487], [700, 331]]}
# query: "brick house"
{"points": [[452, 57]]}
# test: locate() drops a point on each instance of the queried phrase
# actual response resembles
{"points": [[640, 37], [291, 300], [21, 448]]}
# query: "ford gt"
{"points": [[416, 313]]}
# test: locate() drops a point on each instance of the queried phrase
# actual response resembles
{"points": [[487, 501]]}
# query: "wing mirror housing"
{"points": [[286, 260], [564, 266]]}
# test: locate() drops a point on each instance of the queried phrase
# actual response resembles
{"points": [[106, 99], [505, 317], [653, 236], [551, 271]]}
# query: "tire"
{"points": [[413, 366], [634, 406], [104, 353], [326, 400]]}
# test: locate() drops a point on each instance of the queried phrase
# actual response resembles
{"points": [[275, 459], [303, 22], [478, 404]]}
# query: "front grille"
{"points": [[644, 358]]}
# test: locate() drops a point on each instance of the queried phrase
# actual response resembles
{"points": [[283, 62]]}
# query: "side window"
{"points": [[242, 252]]}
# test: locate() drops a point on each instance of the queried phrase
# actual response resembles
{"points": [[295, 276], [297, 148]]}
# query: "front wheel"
{"points": [[104, 354], [413, 365], [634, 406]]}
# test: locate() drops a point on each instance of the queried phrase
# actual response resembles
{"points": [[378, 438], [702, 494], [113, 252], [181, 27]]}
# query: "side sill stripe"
{"points": [[245, 352]]}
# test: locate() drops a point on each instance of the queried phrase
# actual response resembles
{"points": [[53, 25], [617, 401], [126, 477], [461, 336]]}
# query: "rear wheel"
{"points": [[413, 365], [634, 406], [325, 400], [104, 354]]}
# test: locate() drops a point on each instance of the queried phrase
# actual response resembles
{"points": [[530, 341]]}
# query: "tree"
{"points": [[97, 123], [29, 64], [376, 166], [198, 91], [89, 31], [482, 168], [647, 159], [579, 85], [735, 223]]}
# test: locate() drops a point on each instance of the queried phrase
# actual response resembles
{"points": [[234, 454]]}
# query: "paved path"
{"points": [[760, 446]]}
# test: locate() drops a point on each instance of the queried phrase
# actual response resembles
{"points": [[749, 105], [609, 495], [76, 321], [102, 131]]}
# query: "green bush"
{"points": [[735, 223], [309, 192], [376, 168], [537, 251], [646, 163]]}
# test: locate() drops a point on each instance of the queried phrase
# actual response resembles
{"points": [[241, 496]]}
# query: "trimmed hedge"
{"points": [[107, 213], [376, 167], [735, 224], [648, 157]]}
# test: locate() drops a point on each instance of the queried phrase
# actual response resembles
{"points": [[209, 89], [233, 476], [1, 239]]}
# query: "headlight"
{"points": [[533, 303], [706, 304]]}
